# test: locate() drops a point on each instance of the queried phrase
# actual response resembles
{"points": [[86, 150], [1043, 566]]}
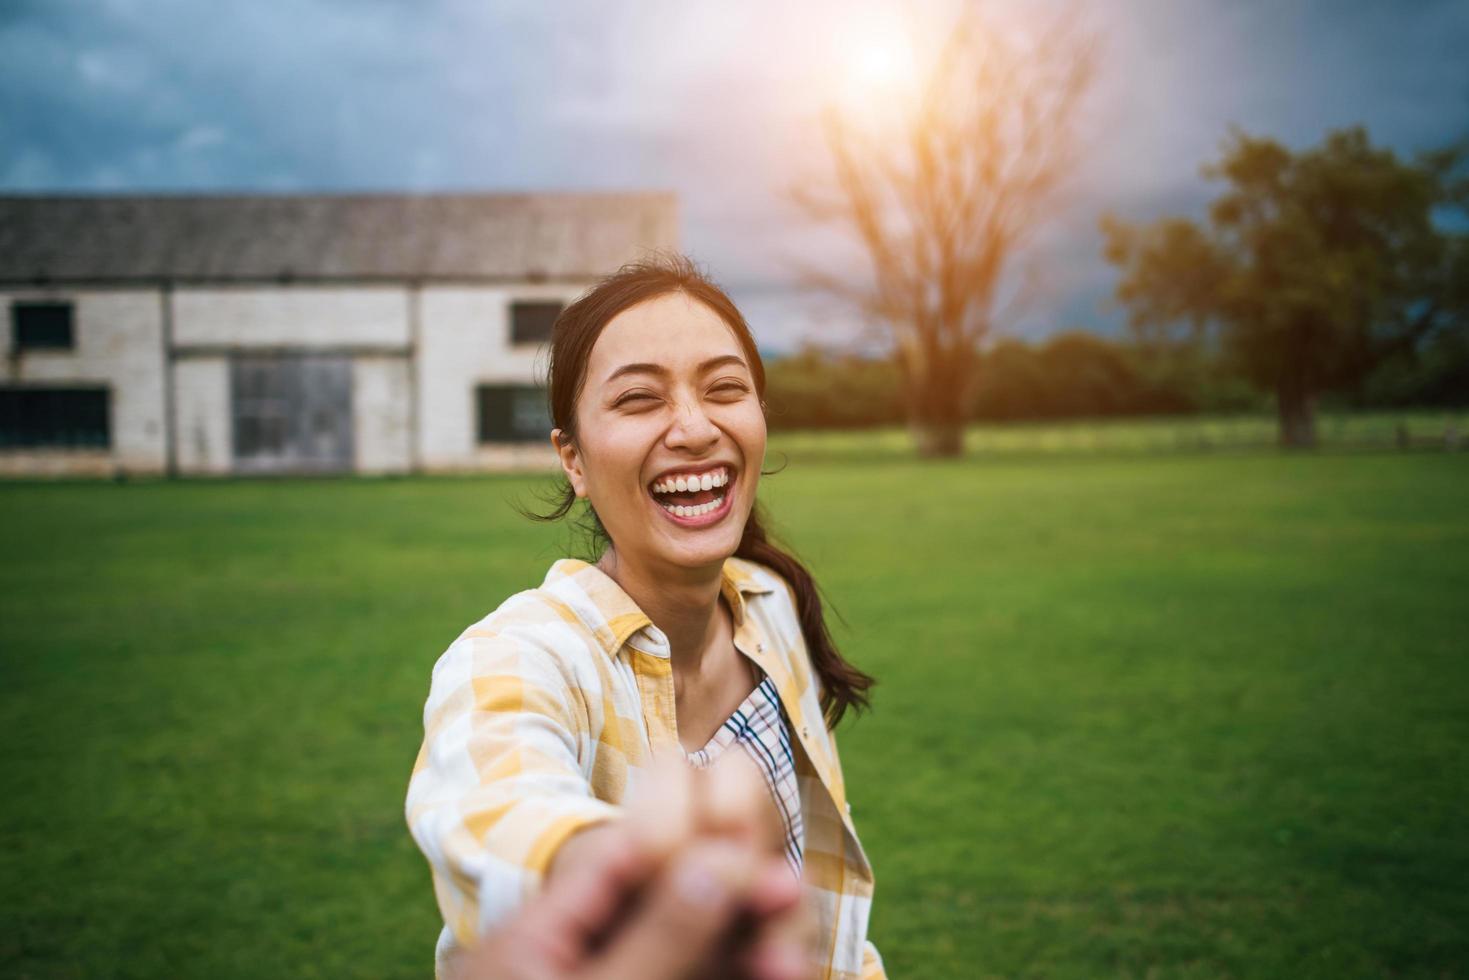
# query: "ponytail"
{"points": [[843, 686]]}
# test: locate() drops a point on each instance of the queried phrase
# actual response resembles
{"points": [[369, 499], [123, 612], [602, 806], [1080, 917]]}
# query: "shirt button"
{"points": [[759, 648]]}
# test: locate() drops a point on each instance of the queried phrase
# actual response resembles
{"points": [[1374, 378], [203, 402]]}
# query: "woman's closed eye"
{"points": [[730, 390], [634, 399], [727, 389]]}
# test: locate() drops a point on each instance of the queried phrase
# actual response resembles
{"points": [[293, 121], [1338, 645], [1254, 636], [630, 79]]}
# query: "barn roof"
{"points": [[336, 237]]}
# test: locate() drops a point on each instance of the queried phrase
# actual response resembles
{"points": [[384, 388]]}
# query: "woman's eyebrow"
{"points": [[645, 368]]}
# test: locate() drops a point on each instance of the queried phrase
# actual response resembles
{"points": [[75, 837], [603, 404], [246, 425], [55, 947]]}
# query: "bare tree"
{"points": [[942, 205]]}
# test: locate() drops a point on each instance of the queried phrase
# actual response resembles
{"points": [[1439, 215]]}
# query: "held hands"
{"points": [[690, 884]]}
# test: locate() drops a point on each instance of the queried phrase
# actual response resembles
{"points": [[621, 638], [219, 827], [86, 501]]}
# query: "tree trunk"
{"points": [[1296, 408], [936, 404], [937, 439]]}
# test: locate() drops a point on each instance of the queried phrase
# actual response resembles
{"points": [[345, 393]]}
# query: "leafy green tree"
{"points": [[1074, 374], [1437, 376], [1313, 268], [819, 389]]}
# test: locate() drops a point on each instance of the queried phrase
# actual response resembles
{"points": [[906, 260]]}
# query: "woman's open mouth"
{"points": [[695, 498]]}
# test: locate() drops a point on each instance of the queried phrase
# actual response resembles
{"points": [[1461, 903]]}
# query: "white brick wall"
{"points": [[201, 401], [382, 414], [291, 316], [464, 339], [118, 338]]}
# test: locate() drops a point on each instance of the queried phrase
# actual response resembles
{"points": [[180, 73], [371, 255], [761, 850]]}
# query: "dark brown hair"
{"points": [[576, 330]]}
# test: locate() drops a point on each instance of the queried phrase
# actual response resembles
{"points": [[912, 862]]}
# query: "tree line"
{"points": [[1078, 374]]}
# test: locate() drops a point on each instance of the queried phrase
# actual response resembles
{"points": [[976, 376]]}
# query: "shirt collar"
{"points": [[611, 615]]}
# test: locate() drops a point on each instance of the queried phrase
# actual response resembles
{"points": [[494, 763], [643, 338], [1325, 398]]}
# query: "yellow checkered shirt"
{"points": [[542, 717]]}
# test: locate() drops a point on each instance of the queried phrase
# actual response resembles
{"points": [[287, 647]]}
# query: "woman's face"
{"points": [[670, 434]]}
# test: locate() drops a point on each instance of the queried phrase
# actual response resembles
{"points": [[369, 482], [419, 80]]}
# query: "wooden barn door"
{"points": [[292, 413]]}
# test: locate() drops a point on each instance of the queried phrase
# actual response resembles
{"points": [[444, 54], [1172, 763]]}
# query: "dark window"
{"points": [[41, 325], [512, 413], [62, 417], [530, 323]]}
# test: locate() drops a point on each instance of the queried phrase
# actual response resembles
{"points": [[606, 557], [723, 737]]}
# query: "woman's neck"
{"points": [[682, 602]]}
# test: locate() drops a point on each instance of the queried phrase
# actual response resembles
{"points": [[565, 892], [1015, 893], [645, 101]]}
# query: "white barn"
{"points": [[218, 335]]}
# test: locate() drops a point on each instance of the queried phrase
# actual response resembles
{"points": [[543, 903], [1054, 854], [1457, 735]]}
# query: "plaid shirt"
{"points": [[760, 728], [543, 716]]}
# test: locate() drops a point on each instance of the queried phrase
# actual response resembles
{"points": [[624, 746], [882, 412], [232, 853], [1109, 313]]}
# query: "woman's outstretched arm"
{"points": [[497, 786]]}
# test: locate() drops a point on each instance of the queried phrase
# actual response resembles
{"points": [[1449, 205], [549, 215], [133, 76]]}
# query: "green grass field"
{"points": [[1162, 716]]}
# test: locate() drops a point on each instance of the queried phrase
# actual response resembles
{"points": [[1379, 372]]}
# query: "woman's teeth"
{"points": [[694, 510], [693, 481]]}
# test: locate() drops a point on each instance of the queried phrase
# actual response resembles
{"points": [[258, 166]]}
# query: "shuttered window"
{"points": [[69, 418], [292, 413], [512, 413]]}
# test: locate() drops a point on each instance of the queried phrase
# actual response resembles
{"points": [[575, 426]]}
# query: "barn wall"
{"points": [[369, 323], [463, 340], [382, 408], [202, 410], [118, 337], [291, 316], [416, 361]]}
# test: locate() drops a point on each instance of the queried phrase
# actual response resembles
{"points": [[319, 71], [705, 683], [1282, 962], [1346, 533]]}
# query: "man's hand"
{"points": [[690, 884]]}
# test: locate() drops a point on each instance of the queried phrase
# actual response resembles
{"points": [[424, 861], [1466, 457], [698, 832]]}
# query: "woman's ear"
{"points": [[570, 461]]}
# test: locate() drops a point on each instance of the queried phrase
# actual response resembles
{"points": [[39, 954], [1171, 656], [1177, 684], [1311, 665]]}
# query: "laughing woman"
{"points": [[691, 632]]}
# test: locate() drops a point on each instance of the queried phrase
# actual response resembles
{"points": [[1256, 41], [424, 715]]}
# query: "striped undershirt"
{"points": [[759, 726]]}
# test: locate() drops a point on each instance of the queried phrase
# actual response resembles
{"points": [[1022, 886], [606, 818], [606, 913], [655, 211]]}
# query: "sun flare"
{"points": [[879, 66], [875, 62]]}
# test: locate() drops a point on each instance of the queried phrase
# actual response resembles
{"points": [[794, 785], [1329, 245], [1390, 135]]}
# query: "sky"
{"points": [[717, 101]]}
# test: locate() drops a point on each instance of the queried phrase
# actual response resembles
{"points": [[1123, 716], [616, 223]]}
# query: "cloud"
{"points": [[201, 138]]}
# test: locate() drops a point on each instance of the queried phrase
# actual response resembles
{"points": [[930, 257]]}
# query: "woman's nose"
{"points": [[691, 428]]}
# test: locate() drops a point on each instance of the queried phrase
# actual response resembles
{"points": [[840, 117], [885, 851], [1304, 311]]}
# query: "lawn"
{"points": [[1153, 716]]}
